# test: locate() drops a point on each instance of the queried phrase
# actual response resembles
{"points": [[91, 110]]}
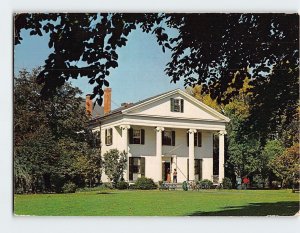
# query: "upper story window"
{"points": [[168, 138], [108, 136], [176, 105], [136, 136]]}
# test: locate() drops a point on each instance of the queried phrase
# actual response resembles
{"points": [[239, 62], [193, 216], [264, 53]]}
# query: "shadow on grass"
{"points": [[287, 208], [104, 192]]}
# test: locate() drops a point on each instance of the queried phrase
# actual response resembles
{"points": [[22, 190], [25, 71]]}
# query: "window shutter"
{"points": [[173, 138], [163, 137], [195, 139], [199, 139], [130, 132], [142, 136], [200, 169], [143, 166], [111, 136], [106, 137], [188, 169], [181, 105], [172, 105], [187, 138], [130, 168]]}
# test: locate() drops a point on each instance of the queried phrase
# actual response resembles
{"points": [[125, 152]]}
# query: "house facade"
{"points": [[162, 133]]}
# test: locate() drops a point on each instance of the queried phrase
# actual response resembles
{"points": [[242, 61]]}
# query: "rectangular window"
{"points": [[108, 137], [136, 136], [168, 138], [198, 169], [136, 168], [176, 105]]}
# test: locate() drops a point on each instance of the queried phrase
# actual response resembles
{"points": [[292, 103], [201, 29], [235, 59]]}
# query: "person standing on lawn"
{"points": [[239, 183], [174, 176], [246, 182]]}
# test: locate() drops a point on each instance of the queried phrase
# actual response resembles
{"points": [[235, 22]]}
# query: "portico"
{"points": [[176, 153]]}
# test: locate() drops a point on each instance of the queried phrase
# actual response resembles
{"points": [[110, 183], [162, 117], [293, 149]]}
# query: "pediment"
{"points": [[160, 106]]}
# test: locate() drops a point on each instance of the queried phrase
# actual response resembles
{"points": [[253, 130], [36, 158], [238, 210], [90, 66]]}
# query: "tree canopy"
{"points": [[51, 143], [215, 50]]}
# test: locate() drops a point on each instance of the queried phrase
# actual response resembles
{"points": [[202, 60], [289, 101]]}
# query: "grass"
{"points": [[160, 203]]}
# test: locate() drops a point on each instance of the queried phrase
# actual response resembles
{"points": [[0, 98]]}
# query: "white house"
{"points": [[171, 131]]}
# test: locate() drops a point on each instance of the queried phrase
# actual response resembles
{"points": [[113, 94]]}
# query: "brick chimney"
{"points": [[88, 105], [107, 100]]}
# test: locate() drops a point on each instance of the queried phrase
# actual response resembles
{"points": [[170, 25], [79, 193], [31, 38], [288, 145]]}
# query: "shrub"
{"points": [[258, 182], [206, 184], [184, 186], [114, 164], [69, 188], [227, 184], [145, 183], [122, 185]]}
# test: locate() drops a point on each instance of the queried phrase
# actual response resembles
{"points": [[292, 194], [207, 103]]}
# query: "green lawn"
{"points": [[160, 203]]}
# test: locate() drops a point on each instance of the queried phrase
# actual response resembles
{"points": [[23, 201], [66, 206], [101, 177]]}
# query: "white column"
{"points": [[124, 129], [159, 152], [191, 154], [221, 156]]}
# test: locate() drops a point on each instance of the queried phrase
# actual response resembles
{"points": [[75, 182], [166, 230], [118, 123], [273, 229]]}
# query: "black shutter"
{"points": [[106, 137], [142, 136], [143, 166], [188, 138], [172, 105], [200, 169], [173, 138], [199, 139], [181, 105], [130, 132], [111, 136], [130, 168], [195, 139], [163, 137], [188, 170]]}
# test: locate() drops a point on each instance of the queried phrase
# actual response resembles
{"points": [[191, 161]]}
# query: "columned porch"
{"points": [[185, 152]]}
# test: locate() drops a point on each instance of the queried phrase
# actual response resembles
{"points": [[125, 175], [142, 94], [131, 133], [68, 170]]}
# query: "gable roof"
{"points": [[142, 103]]}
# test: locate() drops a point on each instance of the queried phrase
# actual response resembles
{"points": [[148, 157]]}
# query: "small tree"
{"points": [[287, 165], [272, 149], [114, 163]]}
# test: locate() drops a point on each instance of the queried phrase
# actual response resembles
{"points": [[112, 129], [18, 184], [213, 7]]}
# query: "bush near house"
{"points": [[227, 184], [205, 184], [144, 183], [114, 164], [122, 185], [69, 187]]}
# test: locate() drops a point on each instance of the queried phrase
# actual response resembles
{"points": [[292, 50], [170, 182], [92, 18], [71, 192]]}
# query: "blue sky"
{"points": [[140, 73]]}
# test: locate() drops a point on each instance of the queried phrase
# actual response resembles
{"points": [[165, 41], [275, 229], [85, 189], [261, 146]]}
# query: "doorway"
{"points": [[166, 167]]}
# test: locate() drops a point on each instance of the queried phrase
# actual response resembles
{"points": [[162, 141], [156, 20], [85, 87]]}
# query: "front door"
{"points": [[166, 168]]}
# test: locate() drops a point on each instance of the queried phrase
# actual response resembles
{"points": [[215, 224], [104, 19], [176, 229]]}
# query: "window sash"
{"points": [[176, 105], [168, 138], [136, 136]]}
